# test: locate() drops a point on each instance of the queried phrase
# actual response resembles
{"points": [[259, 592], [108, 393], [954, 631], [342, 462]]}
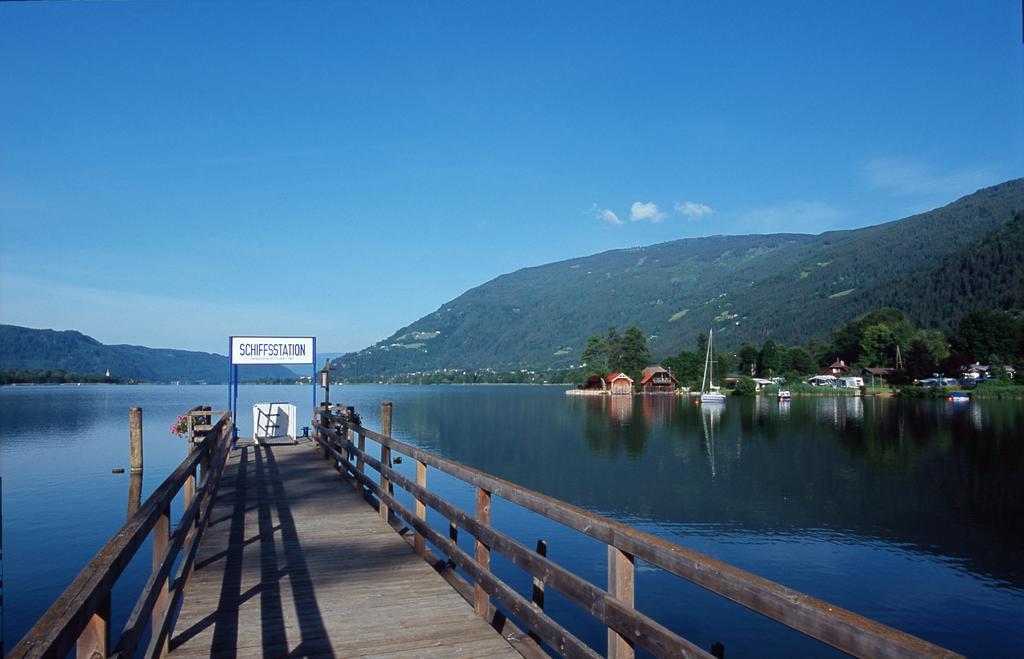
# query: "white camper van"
{"points": [[851, 382]]}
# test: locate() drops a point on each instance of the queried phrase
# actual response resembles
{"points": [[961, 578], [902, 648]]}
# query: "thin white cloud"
{"points": [[908, 178], [693, 210], [640, 211], [790, 217], [608, 216]]}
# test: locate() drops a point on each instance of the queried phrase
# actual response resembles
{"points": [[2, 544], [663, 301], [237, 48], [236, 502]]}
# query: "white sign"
{"points": [[271, 350]]}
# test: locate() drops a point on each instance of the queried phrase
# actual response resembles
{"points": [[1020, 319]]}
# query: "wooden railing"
{"points": [[613, 606], [80, 618]]}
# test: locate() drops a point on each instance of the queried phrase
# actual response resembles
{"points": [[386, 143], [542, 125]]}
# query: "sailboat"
{"points": [[709, 392]]}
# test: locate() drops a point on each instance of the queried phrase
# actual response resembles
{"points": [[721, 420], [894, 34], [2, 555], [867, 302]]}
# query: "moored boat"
{"points": [[709, 393], [784, 394]]}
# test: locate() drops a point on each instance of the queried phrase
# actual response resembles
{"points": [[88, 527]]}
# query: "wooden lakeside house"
{"points": [[620, 383], [880, 375], [658, 380], [837, 369]]}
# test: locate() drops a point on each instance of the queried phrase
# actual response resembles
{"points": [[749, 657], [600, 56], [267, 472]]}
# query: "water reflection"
{"points": [[710, 415], [614, 424], [863, 501], [46, 412], [839, 411], [620, 408], [936, 476]]}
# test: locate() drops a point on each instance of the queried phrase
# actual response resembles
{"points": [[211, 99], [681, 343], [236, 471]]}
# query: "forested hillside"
{"points": [[989, 274], [786, 287], [28, 349]]}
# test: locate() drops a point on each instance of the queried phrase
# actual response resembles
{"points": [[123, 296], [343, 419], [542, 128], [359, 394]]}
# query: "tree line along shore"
{"points": [[882, 339]]}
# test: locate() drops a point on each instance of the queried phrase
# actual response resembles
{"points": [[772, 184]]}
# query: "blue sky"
{"points": [[173, 173]]}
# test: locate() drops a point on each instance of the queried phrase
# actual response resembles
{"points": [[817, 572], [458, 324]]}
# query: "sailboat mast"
{"points": [[711, 357], [707, 361]]}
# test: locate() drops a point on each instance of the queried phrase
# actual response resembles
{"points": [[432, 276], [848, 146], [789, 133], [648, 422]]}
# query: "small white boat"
{"points": [[709, 393], [713, 396], [784, 394]]}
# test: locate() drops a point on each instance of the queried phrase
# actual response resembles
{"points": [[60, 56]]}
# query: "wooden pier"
{"points": [[304, 550], [296, 563]]}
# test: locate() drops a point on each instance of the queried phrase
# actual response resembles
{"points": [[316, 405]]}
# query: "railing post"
{"points": [[161, 536], [421, 508], [538, 587], [94, 641], [483, 552], [328, 421], [385, 456], [361, 445], [189, 488], [324, 420], [204, 459], [453, 535], [620, 586]]}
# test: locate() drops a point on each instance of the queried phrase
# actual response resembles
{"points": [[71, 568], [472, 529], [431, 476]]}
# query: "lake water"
{"points": [[908, 512]]}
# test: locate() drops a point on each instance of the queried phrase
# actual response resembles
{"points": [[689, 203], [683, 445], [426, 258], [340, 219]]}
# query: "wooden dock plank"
{"points": [[296, 563]]}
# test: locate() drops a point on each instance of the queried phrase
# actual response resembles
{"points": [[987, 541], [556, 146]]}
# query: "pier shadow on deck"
{"points": [[295, 563]]}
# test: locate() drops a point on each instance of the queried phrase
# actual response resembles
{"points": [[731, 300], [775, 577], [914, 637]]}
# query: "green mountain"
{"points": [[787, 287], [26, 349], [321, 358], [987, 275]]}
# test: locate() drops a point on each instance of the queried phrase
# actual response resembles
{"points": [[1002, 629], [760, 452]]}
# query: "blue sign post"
{"points": [[266, 350]]}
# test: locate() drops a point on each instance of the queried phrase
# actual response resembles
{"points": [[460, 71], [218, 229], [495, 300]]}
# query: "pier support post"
{"points": [[385, 456], [135, 460], [135, 438], [620, 586], [134, 493]]}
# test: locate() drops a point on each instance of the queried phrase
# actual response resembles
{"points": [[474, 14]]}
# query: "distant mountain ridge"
{"points": [[787, 287], [26, 349]]}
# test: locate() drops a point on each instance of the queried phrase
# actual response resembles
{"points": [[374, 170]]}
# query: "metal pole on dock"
{"points": [[325, 383]]}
